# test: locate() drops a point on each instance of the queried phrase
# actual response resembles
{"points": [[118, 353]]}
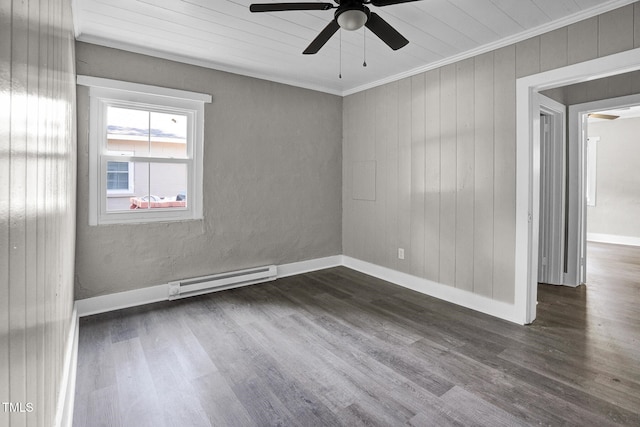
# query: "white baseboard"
{"points": [[614, 239], [67, 392], [151, 294], [118, 300], [456, 296], [467, 299], [301, 267]]}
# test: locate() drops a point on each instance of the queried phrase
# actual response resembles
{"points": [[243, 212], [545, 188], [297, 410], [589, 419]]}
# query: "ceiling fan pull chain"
{"points": [[364, 48], [340, 73]]}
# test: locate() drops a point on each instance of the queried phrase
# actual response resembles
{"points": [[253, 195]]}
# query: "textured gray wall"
{"points": [[444, 146], [617, 209], [272, 180], [37, 204]]}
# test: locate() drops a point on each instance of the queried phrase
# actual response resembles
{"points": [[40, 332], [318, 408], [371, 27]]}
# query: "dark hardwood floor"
{"points": [[336, 347]]}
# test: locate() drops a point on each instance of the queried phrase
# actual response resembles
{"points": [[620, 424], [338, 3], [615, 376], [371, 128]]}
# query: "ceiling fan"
{"points": [[602, 116], [349, 15]]}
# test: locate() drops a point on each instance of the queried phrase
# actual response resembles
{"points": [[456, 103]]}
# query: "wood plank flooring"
{"points": [[339, 348]]}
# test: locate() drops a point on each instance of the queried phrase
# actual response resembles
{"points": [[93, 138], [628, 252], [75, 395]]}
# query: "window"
{"points": [[120, 176], [117, 176], [145, 152]]}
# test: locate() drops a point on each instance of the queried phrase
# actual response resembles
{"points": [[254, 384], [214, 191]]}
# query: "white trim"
{"points": [[450, 294], [99, 82], [294, 268], [104, 93], [527, 115], [67, 392], [205, 64], [507, 41], [151, 294], [578, 128], [613, 239], [75, 14], [136, 297], [545, 28], [119, 300]]}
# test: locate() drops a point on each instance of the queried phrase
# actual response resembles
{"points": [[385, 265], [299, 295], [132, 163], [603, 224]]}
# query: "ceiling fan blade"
{"points": [[322, 38], [283, 7], [386, 32], [602, 116], [380, 3]]}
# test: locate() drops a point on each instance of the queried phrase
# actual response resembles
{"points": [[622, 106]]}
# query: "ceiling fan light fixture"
{"points": [[352, 19]]}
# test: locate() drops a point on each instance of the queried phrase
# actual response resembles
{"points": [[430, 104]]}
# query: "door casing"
{"points": [[528, 163]]}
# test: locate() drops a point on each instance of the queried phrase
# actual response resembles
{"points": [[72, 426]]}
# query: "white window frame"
{"points": [[106, 92]]}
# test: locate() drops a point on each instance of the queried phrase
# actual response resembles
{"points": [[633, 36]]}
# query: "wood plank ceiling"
{"points": [[224, 35]]}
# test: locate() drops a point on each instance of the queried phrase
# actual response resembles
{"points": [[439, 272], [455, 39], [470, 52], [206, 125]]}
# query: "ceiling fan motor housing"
{"points": [[352, 15]]}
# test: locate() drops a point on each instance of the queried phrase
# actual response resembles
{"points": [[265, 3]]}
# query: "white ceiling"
{"points": [[224, 35]]}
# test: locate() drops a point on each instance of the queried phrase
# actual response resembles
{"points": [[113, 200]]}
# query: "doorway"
{"points": [[527, 163], [579, 118]]}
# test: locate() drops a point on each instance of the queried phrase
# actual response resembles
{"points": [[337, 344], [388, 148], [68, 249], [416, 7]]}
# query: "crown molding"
{"points": [[541, 29], [205, 64], [507, 41]]}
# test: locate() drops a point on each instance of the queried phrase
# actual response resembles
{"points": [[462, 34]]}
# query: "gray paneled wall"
{"points": [[272, 180], [444, 147], [37, 204]]}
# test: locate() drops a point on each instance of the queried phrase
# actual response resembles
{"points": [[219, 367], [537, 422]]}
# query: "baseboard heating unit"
{"points": [[218, 282]]}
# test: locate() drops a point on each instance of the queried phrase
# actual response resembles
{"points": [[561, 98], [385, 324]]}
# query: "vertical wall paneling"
{"points": [[455, 152], [553, 49], [379, 113], [359, 154], [484, 175], [46, 385], [615, 31], [416, 254], [636, 24], [17, 209], [448, 175], [369, 208], [582, 40], [349, 134], [5, 166], [432, 176], [37, 204], [391, 187], [404, 172], [504, 177], [31, 197], [465, 166], [528, 57]]}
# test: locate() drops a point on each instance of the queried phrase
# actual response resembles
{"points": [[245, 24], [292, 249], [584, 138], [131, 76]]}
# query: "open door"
{"points": [[552, 224]]}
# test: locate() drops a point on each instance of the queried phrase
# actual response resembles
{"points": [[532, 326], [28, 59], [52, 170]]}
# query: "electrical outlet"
{"points": [[400, 253]]}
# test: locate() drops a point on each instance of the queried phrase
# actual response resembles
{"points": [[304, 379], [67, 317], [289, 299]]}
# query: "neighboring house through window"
{"points": [[120, 176], [145, 152]]}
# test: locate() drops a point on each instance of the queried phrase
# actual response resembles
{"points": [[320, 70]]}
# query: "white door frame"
{"points": [[528, 163], [577, 142]]}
